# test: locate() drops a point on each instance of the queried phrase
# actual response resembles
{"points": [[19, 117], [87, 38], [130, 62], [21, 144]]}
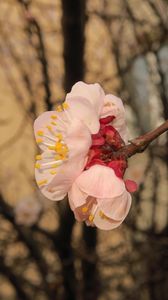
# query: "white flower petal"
{"points": [[100, 182], [92, 92]]}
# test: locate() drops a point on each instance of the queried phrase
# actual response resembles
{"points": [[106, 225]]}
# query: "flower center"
{"points": [[104, 144]]}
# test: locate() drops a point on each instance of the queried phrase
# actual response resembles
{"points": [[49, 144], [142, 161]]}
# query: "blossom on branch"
{"points": [[78, 142]]}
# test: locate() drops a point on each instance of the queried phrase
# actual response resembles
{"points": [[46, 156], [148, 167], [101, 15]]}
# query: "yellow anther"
{"points": [[38, 157], [52, 172], [39, 141], [62, 157], [53, 123], [55, 166], [42, 182], [59, 108], [65, 105], [91, 217], [57, 157], [40, 133], [59, 136], [52, 147], [37, 165], [84, 209], [63, 151], [54, 117], [101, 214], [49, 127], [58, 146]]}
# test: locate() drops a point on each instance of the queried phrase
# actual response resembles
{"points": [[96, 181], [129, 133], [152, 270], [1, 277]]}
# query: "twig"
{"points": [[140, 143]]}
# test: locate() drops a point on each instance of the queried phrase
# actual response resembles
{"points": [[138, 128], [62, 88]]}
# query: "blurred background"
{"points": [[45, 47]]}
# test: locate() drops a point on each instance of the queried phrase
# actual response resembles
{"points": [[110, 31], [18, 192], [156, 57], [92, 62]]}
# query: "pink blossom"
{"points": [[99, 197], [78, 141]]}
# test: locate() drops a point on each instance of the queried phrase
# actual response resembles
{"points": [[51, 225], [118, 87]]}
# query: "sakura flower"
{"points": [[65, 143], [99, 197], [27, 211], [78, 143]]}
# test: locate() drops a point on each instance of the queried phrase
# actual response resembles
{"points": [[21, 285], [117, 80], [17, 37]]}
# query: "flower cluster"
{"points": [[78, 141]]}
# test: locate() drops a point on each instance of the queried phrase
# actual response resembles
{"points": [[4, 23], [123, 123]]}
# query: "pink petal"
{"points": [[57, 186], [105, 224], [131, 185], [116, 208], [78, 139], [76, 197], [100, 182], [92, 92], [82, 109], [113, 106]]}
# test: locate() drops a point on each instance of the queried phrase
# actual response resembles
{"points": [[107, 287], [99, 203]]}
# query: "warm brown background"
{"points": [[45, 46]]}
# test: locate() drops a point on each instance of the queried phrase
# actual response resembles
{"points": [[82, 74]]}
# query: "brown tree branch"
{"points": [[140, 143]]}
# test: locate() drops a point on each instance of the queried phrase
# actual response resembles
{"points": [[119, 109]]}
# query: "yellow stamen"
{"points": [[59, 108], [63, 151], [57, 157], [84, 209], [58, 146], [52, 147], [37, 165], [52, 172], [53, 123], [49, 127], [38, 157], [42, 182], [40, 133], [55, 166], [39, 141], [59, 136], [65, 105], [54, 117], [101, 214], [62, 157], [91, 217]]}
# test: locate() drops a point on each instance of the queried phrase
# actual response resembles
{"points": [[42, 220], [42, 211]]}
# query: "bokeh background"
{"points": [[45, 47]]}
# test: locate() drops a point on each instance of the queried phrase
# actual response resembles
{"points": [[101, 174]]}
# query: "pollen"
{"points": [[59, 108], [42, 182], [59, 136], [38, 157], [65, 105], [49, 127], [54, 117], [57, 157], [52, 147], [39, 141], [84, 209], [91, 217], [53, 123], [55, 166], [40, 133], [37, 165], [52, 172], [58, 146], [101, 214]]}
